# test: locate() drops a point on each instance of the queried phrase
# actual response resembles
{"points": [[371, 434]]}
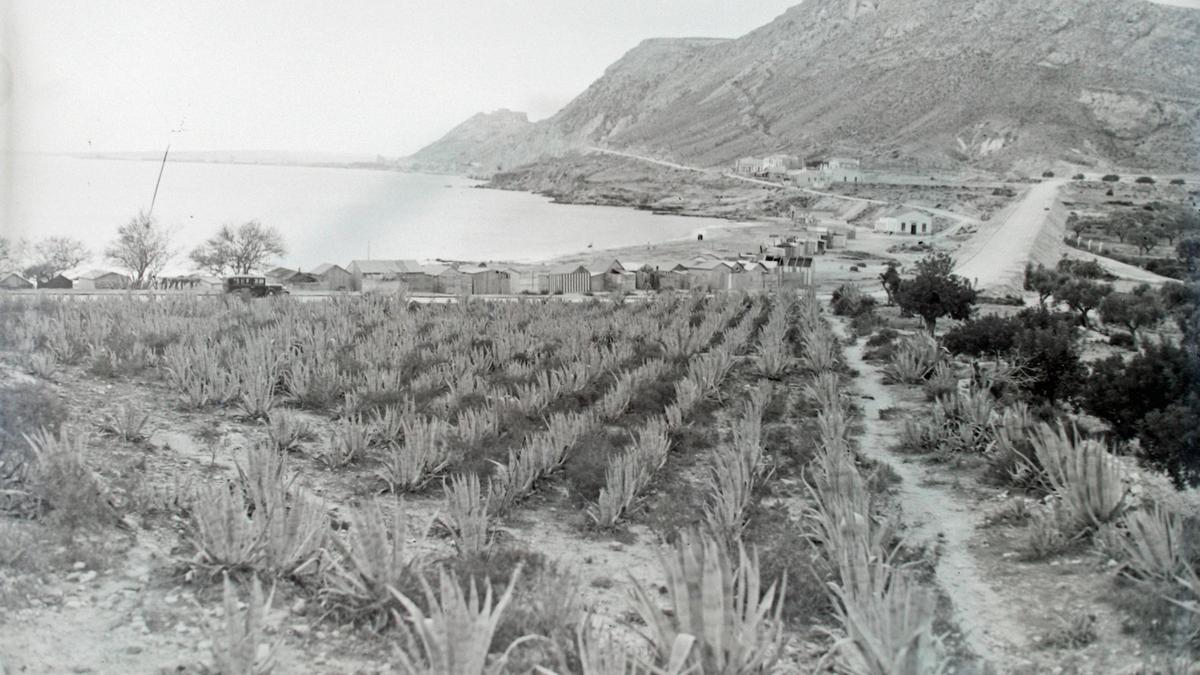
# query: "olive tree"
{"points": [[1043, 281], [1082, 296], [1139, 309], [142, 246], [936, 291]]}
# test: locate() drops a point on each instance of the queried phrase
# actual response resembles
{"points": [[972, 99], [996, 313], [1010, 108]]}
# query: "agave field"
{"points": [[363, 485]]}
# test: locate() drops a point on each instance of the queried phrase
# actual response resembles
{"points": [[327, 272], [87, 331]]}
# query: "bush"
{"points": [[1155, 397], [1177, 181], [26, 408], [849, 300], [1111, 178], [987, 335], [1078, 176], [1122, 340], [1084, 269], [1144, 180]]}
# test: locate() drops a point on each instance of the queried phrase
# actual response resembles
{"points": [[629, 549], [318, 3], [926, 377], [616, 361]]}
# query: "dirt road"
{"points": [[994, 259]]}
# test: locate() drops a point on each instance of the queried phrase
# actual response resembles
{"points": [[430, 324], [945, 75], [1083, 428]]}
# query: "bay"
{"points": [[326, 214]]}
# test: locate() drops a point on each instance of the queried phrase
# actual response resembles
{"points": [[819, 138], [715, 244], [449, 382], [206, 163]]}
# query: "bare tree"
{"points": [[239, 249], [56, 254], [12, 253], [142, 246]]}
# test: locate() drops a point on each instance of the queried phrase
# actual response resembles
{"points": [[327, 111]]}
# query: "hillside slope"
{"points": [[990, 83]]}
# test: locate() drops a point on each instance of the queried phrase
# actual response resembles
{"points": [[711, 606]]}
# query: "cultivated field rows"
{"points": [[319, 487]]}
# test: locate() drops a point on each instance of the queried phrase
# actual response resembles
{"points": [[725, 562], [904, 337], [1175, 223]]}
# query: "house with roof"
{"points": [[781, 164], [333, 277], [367, 275], [610, 275], [910, 222], [96, 280], [57, 282], [487, 280], [11, 281], [748, 166]]}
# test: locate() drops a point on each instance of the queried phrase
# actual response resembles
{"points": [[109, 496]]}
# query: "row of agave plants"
{"points": [[1129, 513]]}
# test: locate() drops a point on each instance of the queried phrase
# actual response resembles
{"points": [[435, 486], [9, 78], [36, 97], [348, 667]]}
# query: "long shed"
{"points": [[57, 281], [333, 277], [93, 280]]}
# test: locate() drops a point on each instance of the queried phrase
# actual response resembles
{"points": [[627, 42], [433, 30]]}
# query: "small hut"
{"points": [[487, 280], [12, 281], [333, 277], [58, 281], [570, 278], [97, 280]]}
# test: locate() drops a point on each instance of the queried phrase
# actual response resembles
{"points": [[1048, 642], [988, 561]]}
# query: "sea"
{"points": [[325, 214]]}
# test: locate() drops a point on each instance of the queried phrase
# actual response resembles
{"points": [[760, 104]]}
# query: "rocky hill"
{"points": [[990, 83]]}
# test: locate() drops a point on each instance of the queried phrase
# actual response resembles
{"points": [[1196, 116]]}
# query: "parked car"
{"points": [[253, 287]]}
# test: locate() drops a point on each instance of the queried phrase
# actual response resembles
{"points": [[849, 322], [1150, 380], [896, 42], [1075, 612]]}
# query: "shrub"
{"points": [[1047, 174], [1078, 176], [988, 335], [1177, 181], [27, 408], [1122, 340], [1152, 397], [1144, 180], [1111, 178], [849, 300]]}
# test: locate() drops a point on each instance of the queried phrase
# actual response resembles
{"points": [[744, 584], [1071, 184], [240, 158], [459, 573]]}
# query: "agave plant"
{"points": [[1083, 474], [455, 636], [372, 559], [1153, 546], [237, 647], [735, 621], [126, 423], [465, 514], [889, 631]]}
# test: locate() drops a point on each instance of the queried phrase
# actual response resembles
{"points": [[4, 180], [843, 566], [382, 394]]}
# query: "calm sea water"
{"points": [[326, 215]]}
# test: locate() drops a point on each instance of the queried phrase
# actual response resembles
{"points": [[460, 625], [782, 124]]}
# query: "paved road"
{"points": [[994, 259]]}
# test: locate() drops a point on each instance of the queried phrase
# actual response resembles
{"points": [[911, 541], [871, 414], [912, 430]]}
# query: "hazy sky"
{"points": [[370, 76]]}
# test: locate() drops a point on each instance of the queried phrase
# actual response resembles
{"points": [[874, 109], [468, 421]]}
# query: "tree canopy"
{"points": [[54, 255], [239, 249], [1139, 309], [142, 246], [936, 291]]}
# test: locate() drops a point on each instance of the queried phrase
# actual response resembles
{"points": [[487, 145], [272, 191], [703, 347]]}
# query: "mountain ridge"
{"points": [[991, 84]]}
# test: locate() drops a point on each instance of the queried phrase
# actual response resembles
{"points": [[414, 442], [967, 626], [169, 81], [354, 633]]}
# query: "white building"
{"points": [[906, 222]]}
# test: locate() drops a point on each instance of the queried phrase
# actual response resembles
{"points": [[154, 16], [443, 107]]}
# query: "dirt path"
{"points": [[994, 259], [937, 518]]}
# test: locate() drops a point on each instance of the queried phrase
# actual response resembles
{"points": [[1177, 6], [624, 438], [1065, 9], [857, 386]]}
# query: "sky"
{"points": [[354, 76], [359, 76]]}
